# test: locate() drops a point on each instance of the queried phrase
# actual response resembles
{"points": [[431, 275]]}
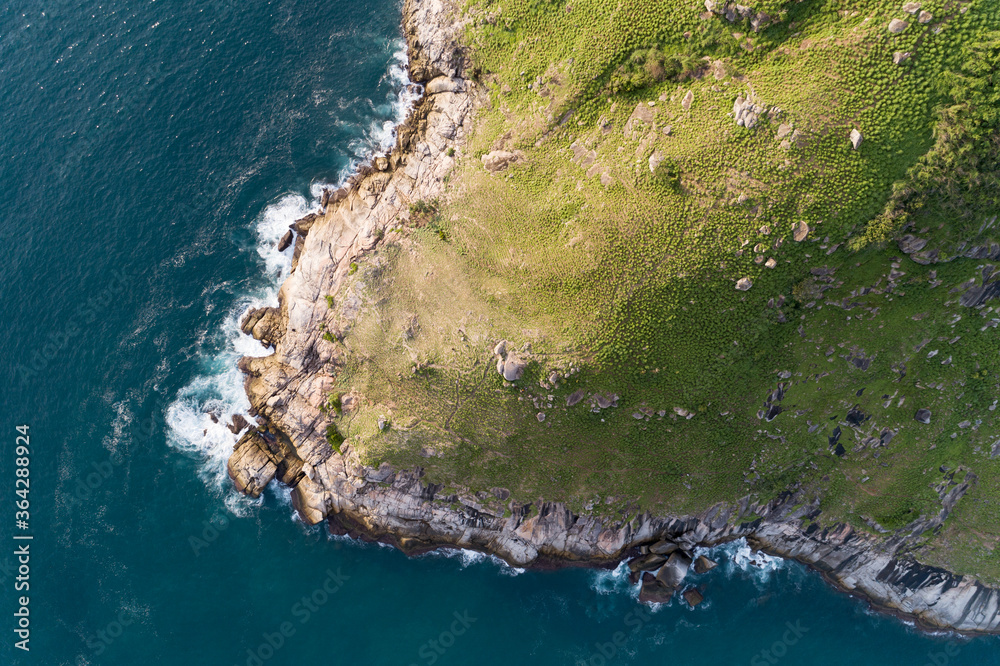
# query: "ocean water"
{"points": [[151, 154]]}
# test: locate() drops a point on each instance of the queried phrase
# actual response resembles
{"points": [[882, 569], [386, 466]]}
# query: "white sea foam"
{"points": [[198, 417], [380, 135], [468, 558], [738, 556], [614, 581]]}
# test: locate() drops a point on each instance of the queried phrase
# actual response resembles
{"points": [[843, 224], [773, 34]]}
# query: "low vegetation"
{"points": [[609, 253]]}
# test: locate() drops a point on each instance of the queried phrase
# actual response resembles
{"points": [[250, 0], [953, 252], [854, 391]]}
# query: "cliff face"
{"points": [[288, 388]]}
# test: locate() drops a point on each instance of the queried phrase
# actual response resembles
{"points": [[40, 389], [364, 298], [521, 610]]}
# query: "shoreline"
{"points": [[394, 507]]}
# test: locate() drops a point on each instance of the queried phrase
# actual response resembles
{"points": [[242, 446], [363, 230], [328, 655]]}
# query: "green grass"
{"points": [[622, 278]]}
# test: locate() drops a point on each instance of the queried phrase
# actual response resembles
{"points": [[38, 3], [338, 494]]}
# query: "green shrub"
{"points": [[333, 437]]}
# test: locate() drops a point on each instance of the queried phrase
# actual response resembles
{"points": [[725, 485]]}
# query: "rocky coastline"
{"points": [[288, 389]]}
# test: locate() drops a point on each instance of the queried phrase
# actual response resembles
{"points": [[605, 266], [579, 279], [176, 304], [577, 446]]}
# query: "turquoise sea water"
{"points": [[151, 153]]}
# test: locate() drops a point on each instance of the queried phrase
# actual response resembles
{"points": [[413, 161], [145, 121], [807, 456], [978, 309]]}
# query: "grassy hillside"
{"points": [[611, 250]]}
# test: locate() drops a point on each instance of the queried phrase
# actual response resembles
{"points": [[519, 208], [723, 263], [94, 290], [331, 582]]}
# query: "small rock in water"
{"points": [[703, 564], [237, 424], [693, 597], [285, 241]]}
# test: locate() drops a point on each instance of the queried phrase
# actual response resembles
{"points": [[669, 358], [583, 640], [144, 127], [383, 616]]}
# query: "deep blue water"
{"points": [[150, 154]]}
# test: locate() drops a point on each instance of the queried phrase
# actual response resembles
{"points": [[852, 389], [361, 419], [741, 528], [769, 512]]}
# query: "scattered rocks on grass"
{"points": [[746, 111]]}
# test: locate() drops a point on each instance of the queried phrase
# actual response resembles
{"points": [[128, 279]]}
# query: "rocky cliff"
{"points": [[289, 390]]}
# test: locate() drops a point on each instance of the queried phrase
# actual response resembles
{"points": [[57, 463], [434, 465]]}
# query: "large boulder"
{"points": [[897, 26], [649, 562], [653, 591], [856, 139], [498, 160], [263, 324], [252, 465], [909, 244], [513, 367], [673, 572], [799, 231], [442, 84], [663, 547]]}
